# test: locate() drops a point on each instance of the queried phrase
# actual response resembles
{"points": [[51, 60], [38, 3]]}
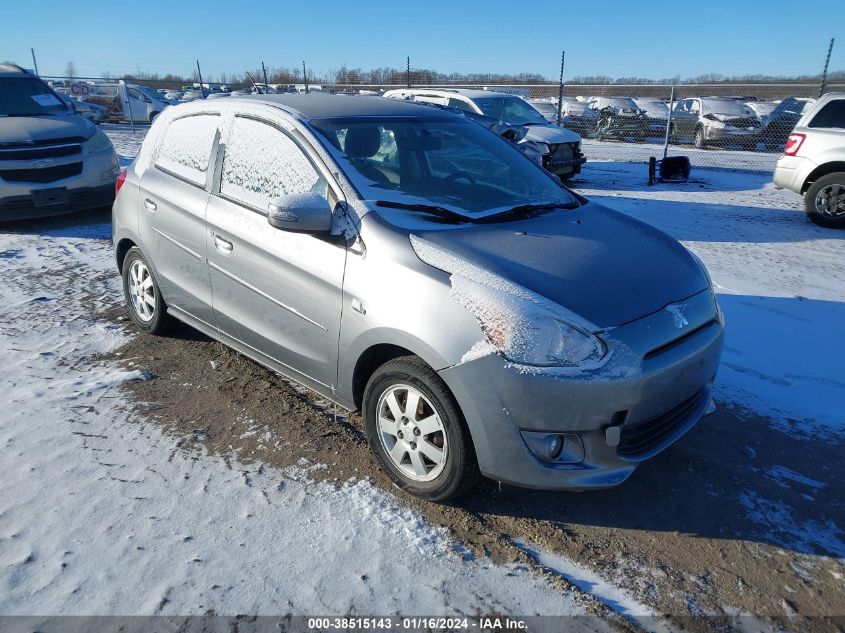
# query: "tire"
{"points": [[435, 426], [699, 140], [818, 204], [142, 295]]}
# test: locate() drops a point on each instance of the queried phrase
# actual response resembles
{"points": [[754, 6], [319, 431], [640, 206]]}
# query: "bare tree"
{"points": [[70, 70]]}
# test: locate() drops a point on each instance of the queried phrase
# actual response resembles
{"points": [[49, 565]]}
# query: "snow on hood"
{"points": [[38, 129], [551, 134]]}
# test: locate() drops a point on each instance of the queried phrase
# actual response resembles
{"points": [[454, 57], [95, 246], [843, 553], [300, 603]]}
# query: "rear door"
{"points": [[174, 195], [277, 292]]}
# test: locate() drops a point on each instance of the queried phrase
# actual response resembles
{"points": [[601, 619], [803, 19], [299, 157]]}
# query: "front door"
{"points": [[277, 292]]}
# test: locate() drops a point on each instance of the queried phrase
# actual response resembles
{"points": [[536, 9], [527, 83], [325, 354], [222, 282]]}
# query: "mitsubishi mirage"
{"points": [[407, 263]]}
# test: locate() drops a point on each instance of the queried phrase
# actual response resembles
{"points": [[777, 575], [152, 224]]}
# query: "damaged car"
{"points": [[620, 118], [555, 148], [407, 263], [708, 121]]}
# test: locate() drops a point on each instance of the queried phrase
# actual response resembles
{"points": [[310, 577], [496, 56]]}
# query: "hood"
{"points": [[603, 265], [39, 130], [550, 134]]}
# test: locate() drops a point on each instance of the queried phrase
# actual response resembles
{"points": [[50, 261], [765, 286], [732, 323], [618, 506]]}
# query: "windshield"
{"points": [[727, 107], [28, 96], [545, 107], [653, 108], [152, 94], [622, 103], [509, 109], [453, 164]]}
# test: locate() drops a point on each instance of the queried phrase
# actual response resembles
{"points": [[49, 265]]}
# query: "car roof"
{"points": [[11, 70], [321, 105]]}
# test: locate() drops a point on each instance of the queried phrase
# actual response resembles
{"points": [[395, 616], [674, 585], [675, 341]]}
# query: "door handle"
{"points": [[225, 247], [150, 206]]}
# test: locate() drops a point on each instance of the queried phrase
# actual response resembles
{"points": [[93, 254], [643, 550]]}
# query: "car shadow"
{"points": [[90, 224], [737, 474]]}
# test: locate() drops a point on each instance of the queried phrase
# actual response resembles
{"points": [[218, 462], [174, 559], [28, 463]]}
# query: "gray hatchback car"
{"points": [[409, 263]]}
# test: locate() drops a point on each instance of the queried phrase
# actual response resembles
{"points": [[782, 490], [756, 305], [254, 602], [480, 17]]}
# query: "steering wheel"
{"points": [[460, 174]]}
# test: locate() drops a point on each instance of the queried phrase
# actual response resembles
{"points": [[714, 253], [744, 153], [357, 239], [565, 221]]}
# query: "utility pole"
{"points": [[199, 74], [304, 77], [560, 88], [408, 70], [824, 72], [34, 63], [264, 70]]}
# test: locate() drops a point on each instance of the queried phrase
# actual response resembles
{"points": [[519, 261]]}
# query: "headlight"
{"points": [[543, 341], [98, 143], [534, 150]]}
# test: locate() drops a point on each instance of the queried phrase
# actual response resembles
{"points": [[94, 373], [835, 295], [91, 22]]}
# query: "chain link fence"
{"points": [[723, 125]]}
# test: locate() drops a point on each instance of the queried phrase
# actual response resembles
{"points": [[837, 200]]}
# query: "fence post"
{"points": [[560, 88], [669, 122], [408, 70], [199, 74], [34, 63], [824, 72], [304, 77], [264, 70]]}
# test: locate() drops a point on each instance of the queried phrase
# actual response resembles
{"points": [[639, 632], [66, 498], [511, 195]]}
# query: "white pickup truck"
{"points": [[813, 161]]}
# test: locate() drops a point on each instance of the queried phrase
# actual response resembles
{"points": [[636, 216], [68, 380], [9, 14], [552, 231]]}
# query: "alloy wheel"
{"points": [[830, 201], [141, 291], [412, 433]]}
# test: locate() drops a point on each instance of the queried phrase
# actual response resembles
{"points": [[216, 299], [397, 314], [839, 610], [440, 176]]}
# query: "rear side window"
{"points": [[185, 150], [262, 164], [831, 115]]}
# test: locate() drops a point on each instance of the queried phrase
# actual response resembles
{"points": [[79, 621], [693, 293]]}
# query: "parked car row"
{"points": [[703, 121]]}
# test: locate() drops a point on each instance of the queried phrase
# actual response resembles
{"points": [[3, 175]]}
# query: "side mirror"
{"points": [[301, 213]]}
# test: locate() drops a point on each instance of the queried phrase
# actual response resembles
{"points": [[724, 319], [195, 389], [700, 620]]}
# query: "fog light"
{"points": [[555, 446]]}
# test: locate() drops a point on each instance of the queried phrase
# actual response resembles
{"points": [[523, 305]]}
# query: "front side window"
{"points": [[450, 163], [460, 105], [262, 164], [185, 150], [832, 115]]}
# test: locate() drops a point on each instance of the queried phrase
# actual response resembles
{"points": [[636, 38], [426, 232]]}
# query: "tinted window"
{"points": [[185, 149], [28, 96], [262, 164], [460, 105], [509, 109], [831, 115]]}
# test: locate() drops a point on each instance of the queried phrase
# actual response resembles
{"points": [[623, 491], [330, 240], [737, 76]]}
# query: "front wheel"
{"points": [[417, 432], [699, 139], [825, 201], [143, 297]]}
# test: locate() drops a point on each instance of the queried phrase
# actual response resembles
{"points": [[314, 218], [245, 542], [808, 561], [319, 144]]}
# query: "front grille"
{"points": [[33, 153], [640, 439], [47, 174], [665, 347], [50, 141]]}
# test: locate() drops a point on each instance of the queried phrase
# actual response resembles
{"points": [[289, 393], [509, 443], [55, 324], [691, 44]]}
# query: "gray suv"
{"points": [[405, 262], [52, 160]]}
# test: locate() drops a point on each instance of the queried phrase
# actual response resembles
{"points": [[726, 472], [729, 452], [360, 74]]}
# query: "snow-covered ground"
{"points": [[101, 513]]}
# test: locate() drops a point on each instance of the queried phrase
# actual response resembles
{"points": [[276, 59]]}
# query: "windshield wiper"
{"points": [[527, 209], [440, 212]]}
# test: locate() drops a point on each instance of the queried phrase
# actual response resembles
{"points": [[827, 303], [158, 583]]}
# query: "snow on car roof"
{"points": [[325, 106]]}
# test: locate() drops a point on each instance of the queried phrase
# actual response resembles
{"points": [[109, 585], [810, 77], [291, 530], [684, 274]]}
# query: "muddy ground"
{"points": [[708, 527]]}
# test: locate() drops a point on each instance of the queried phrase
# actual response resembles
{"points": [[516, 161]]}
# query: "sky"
{"points": [[654, 39]]}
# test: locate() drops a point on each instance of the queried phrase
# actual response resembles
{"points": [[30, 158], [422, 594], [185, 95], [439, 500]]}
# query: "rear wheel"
{"points": [[417, 432], [140, 289], [825, 200]]}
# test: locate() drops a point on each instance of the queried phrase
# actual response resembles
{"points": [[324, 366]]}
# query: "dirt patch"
{"points": [[736, 518]]}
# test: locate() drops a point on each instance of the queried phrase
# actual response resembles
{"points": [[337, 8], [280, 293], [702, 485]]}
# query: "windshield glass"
{"points": [[622, 103], [545, 107], [28, 96], [727, 107], [152, 94], [509, 109], [454, 164], [653, 108]]}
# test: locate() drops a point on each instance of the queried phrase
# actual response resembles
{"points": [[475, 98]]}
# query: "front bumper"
{"points": [[728, 133], [646, 396], [565, 168], [92, 187]]}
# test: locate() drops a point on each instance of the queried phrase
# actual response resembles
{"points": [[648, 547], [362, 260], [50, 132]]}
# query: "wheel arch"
{"points": [[371, 359], [822, 170], [121, 249]]}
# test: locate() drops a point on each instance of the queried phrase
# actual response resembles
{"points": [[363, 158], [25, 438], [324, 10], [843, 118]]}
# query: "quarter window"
{"points": [[262, 164], [831, 115], [185, 150]]}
